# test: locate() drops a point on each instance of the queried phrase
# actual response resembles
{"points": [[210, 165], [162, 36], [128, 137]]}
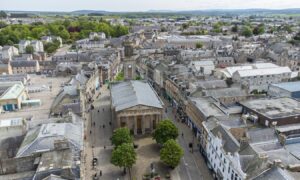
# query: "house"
{"points": [[11, 95], [99, 35], [51, 39], [24, 66], [22, 45], [203, 67], [222, 153], [286, 89], [37, 45], [8, 52], [132, 109], [5, 69]]}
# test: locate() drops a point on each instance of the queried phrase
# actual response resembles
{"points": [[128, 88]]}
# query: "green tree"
{"points": [[120, 76], [120, 136], [165, 131], [3, 14], [2, 24], [29, 49], [124, 156], [260, 29], [199, 45], [171, 153], [235, 28], [246, 31]]}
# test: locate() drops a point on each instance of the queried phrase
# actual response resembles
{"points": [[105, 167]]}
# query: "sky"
{"points": [[143, 5]]}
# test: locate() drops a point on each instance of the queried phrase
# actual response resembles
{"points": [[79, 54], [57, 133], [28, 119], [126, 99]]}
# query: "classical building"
{"points": [[136, 106]]}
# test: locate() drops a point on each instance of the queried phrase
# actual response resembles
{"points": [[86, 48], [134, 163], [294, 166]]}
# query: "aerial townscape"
{"points": [[139, 94]]}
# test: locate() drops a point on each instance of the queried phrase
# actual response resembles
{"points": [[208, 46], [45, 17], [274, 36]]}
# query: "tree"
{"points": [[246, 31], [260, 29], [120, 76], [120, 136], [235, 28], [171, 153], [29, 49], [124, 156], [2, 24], [3, 14], [199, 45], [165, 131]]}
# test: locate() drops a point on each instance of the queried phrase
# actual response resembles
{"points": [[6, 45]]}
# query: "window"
{"points": [[228, 169], [224, 161]]}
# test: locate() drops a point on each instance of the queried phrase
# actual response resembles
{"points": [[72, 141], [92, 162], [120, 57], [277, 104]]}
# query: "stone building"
{"points": [[135, 105]]}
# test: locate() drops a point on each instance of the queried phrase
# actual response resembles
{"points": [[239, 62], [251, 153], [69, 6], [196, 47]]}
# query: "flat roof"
{"points": [[274, 108], [207, 106], [289, 86]]}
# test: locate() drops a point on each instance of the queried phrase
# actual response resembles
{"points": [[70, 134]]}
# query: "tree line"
{"points": [[69, 30]]}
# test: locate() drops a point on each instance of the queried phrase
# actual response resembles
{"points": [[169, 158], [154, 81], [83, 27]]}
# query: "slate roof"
{"points": [[132, 93], [42, 138], [275, 173], [230, 144], [23, 63]]}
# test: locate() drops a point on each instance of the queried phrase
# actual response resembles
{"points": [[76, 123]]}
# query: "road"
{"points": [[192, 166]]}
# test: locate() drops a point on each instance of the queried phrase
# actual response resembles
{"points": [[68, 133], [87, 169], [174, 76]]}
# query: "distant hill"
{"points": [[210, 12], [89, 12]]}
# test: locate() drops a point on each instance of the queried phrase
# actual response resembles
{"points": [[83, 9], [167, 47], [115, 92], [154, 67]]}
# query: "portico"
{"points": [[140, 110]]}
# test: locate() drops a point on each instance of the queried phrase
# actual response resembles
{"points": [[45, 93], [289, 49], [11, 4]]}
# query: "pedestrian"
{"points": [[95, 175], [104, 147], [90, 132], [98, 111], [110, 123], [103, 109], [94, 124], [103, 125], [181, 134], [100, 173]]}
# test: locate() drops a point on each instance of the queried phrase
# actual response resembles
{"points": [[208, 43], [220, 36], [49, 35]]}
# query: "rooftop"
{"points": [[208, 106], [274, 108], [289, 86], [42, 138], [13, 92], [132, 93]]}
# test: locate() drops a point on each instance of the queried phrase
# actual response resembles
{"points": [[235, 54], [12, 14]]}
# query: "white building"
{"points": [[222, 154], [259, 79], [8, 52], [50, 39], [37, 46], [12, 128], [204, 67], [22, 45], [99, 35]]}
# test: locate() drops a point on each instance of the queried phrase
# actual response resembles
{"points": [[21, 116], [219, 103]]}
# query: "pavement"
{"points": [[192, 165], [98, 144]]}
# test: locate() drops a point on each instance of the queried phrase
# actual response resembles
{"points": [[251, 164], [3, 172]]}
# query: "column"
{"points": [[143, 124], [151, 123], [135, 125]]}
